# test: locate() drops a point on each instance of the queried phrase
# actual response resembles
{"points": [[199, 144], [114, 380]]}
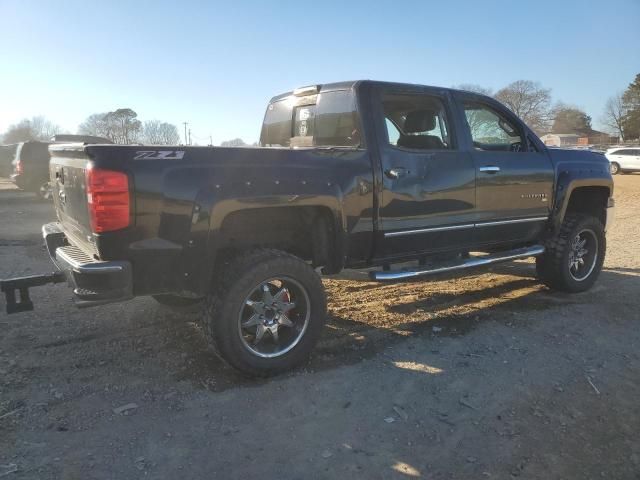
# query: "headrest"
{"points": [[420, 121]]}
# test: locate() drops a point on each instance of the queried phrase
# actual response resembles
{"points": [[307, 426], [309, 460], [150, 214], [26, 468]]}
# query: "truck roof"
{"points": [[348, 85]]}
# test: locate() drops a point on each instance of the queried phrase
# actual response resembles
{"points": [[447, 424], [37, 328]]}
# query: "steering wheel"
{"points": [[515, 147]]}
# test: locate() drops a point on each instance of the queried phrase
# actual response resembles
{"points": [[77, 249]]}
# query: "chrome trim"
{"points": [[461, 227], [427, 230], [93, 267], [507, 222], [470, 263], [489, 169]]}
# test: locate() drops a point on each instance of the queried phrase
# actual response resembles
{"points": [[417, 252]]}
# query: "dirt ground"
{"points": [[485, 376]]}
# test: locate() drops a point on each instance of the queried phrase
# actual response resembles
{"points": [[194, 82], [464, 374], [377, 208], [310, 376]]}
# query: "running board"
{"points": [[391, 275]]}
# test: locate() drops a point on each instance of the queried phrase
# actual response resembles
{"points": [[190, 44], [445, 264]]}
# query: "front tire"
{"points": [[266, 312], [574, 257]]}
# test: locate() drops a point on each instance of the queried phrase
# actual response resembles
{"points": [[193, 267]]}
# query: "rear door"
{"points": [[635, 159], [514, 177], [428, 195]]}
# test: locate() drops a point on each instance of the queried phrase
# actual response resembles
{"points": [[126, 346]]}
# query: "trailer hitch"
{"points": [[22, 302]]}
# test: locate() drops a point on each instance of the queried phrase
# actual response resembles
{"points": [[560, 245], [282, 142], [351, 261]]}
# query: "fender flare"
{"points": [[569, 181]]}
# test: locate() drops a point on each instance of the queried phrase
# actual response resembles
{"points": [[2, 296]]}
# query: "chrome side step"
{"points": [[391, 275]]}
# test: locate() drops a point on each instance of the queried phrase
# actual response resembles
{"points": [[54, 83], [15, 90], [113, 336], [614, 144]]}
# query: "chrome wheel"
{"points": [[583, 255], [274, 317]]}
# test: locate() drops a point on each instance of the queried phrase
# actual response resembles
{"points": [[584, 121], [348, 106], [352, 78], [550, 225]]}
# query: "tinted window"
{"points": [[327, 119], [416, 122], [490, 130], [276, 129]]}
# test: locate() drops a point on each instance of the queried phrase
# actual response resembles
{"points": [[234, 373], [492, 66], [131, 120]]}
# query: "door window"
{"points": [[416, 122], [491, 131]]}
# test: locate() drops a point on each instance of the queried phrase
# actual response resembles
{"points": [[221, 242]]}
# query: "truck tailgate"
{"points": [[67, 170]]}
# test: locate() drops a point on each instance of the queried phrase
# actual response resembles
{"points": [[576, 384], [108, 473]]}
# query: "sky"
{"points": [[217, 64]]}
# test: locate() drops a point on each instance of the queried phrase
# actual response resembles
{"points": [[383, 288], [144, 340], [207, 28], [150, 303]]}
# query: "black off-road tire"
{"points": [[180, 304], [233, 282], [552, 267]]}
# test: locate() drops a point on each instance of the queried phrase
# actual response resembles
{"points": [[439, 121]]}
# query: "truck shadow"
{"points": [[367, 317]]}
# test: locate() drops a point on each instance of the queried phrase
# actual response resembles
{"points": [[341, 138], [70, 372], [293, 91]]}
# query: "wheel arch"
{"points": [[582, 195], [314, 233]]}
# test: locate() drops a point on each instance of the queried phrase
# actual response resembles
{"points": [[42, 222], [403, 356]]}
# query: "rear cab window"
{"points": [[416, 122], [327, 119]]}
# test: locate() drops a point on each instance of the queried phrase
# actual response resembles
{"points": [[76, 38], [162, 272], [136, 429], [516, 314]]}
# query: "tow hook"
{"points": [[22, 302]]}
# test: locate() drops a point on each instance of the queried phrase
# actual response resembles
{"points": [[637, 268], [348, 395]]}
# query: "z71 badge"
{"points": [[159, 155]]}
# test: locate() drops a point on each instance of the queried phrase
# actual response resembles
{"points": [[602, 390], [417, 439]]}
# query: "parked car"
{"points": [[7, 153], [624, 159], [31, 168], [31, 162], [350, 175]]}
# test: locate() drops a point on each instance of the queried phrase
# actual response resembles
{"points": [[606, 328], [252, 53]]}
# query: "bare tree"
{"points": [[529, 101], [120, 126], [36, 128], [614, 114], [94, 125], [236, 142], [124, 126], [156, 132]]}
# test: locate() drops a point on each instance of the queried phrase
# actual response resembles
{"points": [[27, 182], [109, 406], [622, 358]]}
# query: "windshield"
{"points": [[329, 119]]}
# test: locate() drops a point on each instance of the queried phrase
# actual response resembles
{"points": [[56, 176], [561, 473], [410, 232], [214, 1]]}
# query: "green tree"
{"points": [[631, 104], [568, 119]]}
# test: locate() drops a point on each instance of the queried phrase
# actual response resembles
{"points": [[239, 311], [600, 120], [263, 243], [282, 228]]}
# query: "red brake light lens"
{"points": [[107, 199]]}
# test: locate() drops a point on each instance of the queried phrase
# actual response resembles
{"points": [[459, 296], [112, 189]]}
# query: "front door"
{"points": [[514, 178], [428, 196]]}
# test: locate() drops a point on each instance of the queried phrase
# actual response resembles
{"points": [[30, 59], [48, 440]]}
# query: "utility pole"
{"points": [[185, 132], [189, 136]]}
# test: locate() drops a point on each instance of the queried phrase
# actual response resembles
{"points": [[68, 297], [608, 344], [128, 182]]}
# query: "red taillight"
{"points": [[19, 166], [108, 199]]}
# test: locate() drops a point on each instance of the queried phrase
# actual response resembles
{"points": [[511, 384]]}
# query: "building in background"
{"points": [[560, 139]]}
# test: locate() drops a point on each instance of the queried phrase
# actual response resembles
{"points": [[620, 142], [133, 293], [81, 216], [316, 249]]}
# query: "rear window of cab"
{"points": [[328, 119]]}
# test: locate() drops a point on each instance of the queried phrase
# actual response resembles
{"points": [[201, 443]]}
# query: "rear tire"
{"points": [[44, 192], [615, 168], [266, 312], [574, 256]]}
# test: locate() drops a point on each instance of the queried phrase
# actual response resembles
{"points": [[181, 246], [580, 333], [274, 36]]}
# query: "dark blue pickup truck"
{"points": [[348, 175]]}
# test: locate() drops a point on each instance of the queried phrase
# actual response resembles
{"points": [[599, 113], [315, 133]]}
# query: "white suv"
{"points": [[624, 159]]}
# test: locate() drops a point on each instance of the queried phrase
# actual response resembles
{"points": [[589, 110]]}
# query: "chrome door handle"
{"points": [[489, 169], [396, 172]]}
